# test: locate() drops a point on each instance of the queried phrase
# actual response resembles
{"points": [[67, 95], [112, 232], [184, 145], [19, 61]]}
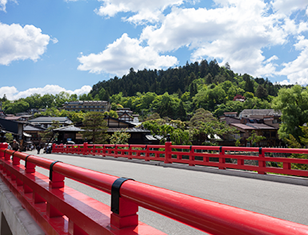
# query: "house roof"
{"points": [[33, 128], [50, 119], [242, 126], [130, 130], [230, 120], [253, 126], [261, 126], [259, 112], [71, 128], [13, 118], [153, 138], [119, 121]]}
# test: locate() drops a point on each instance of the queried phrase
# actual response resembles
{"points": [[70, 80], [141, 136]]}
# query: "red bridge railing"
{"points": [[223, 157], [59, 209]]}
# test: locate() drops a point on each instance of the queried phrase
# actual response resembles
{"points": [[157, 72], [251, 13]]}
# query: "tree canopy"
{"points": [[293, 104], [95, 127]]}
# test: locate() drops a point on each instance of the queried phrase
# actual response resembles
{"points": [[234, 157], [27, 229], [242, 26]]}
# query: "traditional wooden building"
{"points": [[45, 122]]}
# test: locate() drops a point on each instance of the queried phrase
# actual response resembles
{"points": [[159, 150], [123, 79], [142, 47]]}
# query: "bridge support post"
{"points": [[222, 160], [85, 148], [168, 150], [262, 163]]}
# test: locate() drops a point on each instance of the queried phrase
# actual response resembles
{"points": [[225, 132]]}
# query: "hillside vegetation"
{"points": [[175, 93]]}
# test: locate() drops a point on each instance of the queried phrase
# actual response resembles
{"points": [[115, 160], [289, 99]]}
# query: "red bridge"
{"points": [[59, 209]]}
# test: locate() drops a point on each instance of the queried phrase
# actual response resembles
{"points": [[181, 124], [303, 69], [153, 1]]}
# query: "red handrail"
{"points": [[198, 155], [199, 213]]}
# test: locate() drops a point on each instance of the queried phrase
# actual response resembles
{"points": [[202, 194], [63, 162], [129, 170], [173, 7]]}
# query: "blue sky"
{"points": [[51, 46]]}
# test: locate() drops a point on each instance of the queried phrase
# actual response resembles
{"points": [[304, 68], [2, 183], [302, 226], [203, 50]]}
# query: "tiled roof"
{"points": [[242, 126], [14, 118], [259, 112], [253, 126], [128, 130], [68, 128], [50, 119], [261, 126], [33, 128]]}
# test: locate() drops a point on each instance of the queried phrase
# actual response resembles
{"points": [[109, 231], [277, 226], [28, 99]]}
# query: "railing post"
{"points": [[115, 151], [124, 212], [168, 144], [130, 152], [286, 166], [85, 148], [262, 163], [146, 154], [222, 160], [94, 150], [191, 156], [56, 179], [3, 146], [104, 149], [16, 160], [53, 148]]}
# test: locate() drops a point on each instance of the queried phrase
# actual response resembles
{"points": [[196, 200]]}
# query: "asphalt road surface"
{"points": [[281, 200]]}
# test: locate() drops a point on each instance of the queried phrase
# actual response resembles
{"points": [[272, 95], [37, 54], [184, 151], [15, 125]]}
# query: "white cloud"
{"points": [[123, 54], [290, 26], [20, 43], [284, 82], [297, 70], [3, 5], [54, 40], [287, 7], [236, 33], [150, 11], [274, 57], [13, 94]]}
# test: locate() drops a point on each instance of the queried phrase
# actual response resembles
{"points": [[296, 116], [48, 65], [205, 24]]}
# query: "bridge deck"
{"points": [[281, 200]]}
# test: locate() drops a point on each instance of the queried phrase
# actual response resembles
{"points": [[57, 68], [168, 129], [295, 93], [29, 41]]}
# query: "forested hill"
{"points": [[178, 80]]}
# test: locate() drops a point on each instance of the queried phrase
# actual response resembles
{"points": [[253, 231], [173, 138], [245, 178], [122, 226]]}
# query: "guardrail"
{"points": [[223, 157], [59, 209]]}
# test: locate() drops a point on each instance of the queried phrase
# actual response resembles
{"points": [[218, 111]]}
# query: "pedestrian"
{"points": [[15, 145], [38, 148]]}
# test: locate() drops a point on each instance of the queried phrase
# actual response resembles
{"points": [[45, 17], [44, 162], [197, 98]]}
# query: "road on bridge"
{"points": [[281, 200]]}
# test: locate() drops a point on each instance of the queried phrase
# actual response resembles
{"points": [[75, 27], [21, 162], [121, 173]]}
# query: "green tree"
{"points": [[301, 143], [254, 138], [15, 106], [49, 135], [261, 92], [9, 137], [249, 83], [204, 126], [111, 113], [95, 127], [119, 137], [153, 116], [293, 104]]}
